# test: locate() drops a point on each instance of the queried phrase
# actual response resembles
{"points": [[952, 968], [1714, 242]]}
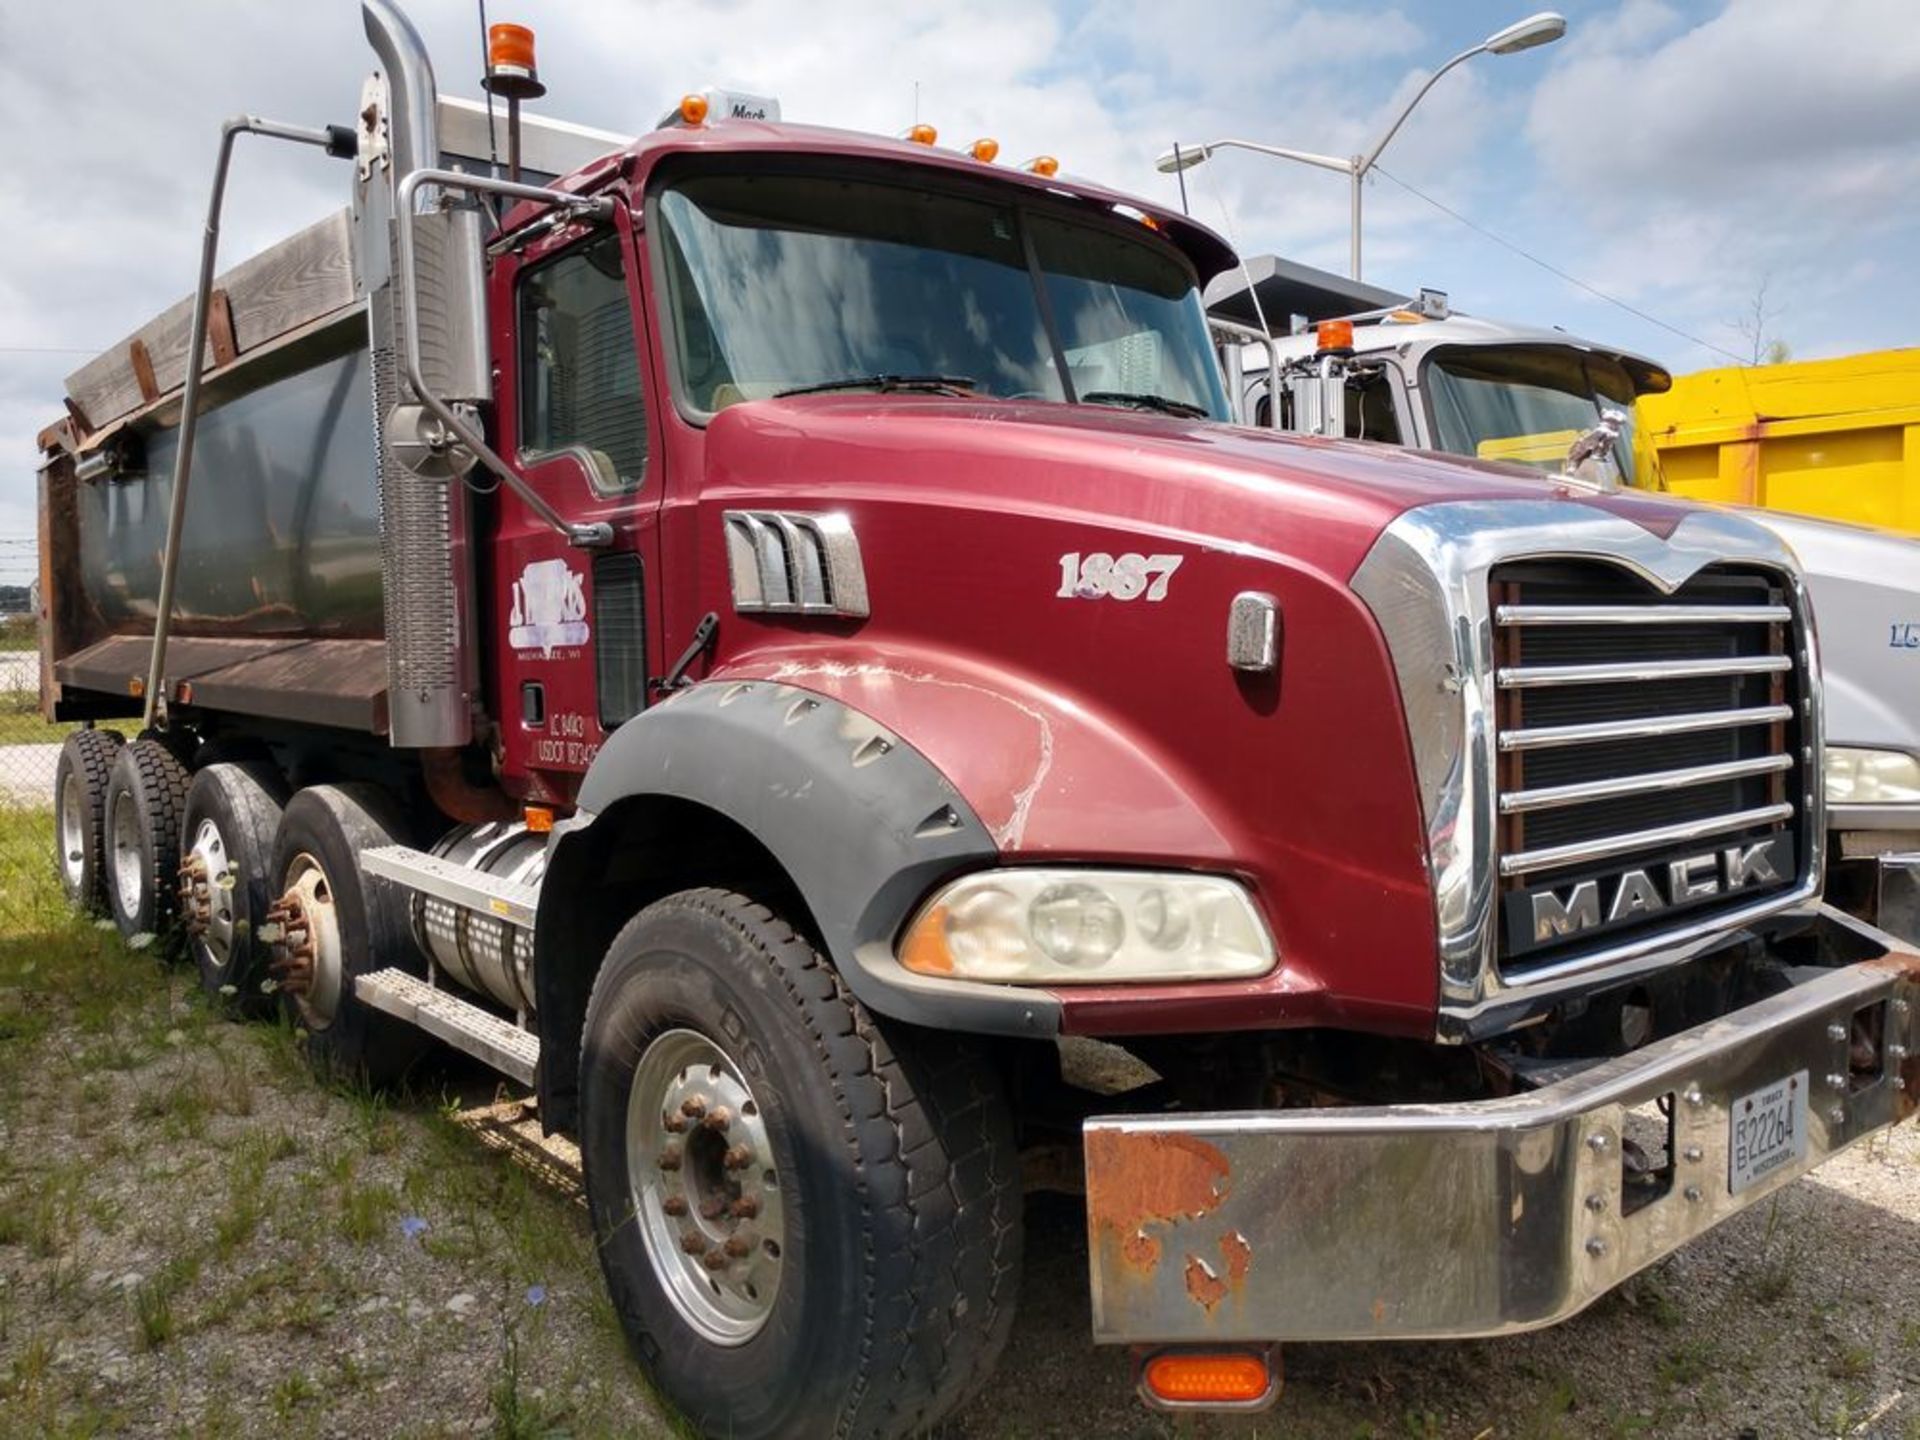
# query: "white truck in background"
{"points": [[1307, 352]]}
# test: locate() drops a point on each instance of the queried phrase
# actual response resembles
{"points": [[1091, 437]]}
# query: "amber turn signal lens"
{"points": [[984, 150], [923, 134], [925, 949], [511, 47], [1334, 334], [693, 109], [539, 819], [1044, 166], [1179, 1378]]}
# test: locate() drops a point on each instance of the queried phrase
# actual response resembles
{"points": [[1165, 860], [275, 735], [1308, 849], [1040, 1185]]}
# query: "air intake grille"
{"points": [[1649, 752], [790, 563], [620, 646]]}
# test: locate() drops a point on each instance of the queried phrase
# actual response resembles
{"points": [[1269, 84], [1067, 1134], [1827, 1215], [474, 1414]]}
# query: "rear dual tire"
{"points": [[883, 1157], [146, 793], [80, 780], [348, 925], [227, 829]]}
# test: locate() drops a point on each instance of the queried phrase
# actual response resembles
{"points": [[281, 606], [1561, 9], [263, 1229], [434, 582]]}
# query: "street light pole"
{"points": [[1541, 29]]}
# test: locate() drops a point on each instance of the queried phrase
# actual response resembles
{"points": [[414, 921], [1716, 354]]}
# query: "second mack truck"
{"points": [[764, 635]]}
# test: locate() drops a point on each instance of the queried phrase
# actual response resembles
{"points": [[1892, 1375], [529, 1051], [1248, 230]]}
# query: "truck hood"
{"points": [[1865, 585], [1208, 479]]}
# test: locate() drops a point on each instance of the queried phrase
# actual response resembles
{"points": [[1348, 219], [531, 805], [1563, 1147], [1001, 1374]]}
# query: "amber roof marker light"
{"points": [[1541, 29]]}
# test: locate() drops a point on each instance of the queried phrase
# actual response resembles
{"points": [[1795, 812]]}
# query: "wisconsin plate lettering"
{"points": [[1766, 1132]]}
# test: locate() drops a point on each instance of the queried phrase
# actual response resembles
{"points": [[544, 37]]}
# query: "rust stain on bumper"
{"points": [[1139, 1181], [1205, 1288]]}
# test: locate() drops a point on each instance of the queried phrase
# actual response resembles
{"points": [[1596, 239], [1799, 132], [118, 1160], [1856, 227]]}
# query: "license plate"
{"points": [[1767, 1132]]}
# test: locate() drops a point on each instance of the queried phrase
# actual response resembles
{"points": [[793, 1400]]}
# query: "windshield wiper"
{"points": [[930, 384], [1142, 400]]}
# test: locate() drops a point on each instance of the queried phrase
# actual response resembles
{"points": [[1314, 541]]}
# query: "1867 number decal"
{"points": [[1125, 577]]}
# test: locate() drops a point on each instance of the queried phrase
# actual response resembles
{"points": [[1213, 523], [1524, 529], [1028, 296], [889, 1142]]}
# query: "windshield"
{"points": [[1525, 403], [779, 282]]}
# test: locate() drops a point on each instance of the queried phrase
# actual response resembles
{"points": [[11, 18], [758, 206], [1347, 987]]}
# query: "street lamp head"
{"points": [[1541, 29], [1182, 157]]}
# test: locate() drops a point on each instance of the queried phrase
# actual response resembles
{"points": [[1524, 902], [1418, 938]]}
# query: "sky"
{"points": [[1696, 160]]}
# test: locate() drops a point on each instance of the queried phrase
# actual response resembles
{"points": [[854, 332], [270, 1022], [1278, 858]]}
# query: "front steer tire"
{"points": [[894, 1157]]}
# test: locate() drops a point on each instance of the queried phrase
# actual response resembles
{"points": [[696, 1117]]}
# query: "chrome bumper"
{"points": [[1484, 1218]]}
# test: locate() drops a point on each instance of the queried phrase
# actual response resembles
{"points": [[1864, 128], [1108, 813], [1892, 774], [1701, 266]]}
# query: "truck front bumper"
{"points": [[1483, 1218]]}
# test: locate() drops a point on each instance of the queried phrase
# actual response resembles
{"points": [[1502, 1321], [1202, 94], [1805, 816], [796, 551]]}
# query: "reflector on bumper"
{"points": [[1431, 1221]]}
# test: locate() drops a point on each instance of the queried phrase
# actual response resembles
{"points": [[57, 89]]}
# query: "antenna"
{"points": [[486, 61]]}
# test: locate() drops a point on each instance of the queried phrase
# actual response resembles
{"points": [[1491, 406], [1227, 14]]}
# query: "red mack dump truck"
{"points": [[764, 635]]}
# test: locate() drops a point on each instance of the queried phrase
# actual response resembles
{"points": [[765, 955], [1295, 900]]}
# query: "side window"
{"points": [[579, 368]]}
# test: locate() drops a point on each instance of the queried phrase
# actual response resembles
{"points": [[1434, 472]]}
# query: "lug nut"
{"points": [[674, 1124], [1692, 1153], [675, 1205], [739, 1246], [694, 1106], [738, 1157], [1693, 1095], [1596, 1247], [1836, 1032], [670, 1157], [1692, 1192], [1598, 1143], [694, 1243], [715, 1260], [1596, 1203], [718, 1118], [745, 1208]]}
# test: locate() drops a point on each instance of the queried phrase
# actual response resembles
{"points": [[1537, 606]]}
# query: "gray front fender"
{"points": [[860, 821]]}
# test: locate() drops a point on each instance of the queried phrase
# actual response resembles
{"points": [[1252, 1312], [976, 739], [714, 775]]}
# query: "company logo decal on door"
{"points": [[549, 608]]}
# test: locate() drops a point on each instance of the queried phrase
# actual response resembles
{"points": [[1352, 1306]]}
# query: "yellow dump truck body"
{"points": [[1834, 438]]}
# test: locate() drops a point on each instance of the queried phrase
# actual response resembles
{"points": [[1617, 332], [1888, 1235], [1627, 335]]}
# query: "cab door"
{"points": [[574, 630]]}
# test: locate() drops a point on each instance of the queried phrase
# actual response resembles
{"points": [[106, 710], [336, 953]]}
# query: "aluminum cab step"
{"points": [[462, 1024], [460, 885]]}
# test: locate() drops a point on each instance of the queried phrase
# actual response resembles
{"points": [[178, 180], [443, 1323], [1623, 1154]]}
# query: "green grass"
{"points": [[17, 634]]}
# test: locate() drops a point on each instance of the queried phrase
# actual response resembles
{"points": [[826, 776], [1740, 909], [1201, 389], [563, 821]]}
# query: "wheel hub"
{"points": [[705, 1190], [73, 833], [303, 930], [207, 881], [128, 862]]}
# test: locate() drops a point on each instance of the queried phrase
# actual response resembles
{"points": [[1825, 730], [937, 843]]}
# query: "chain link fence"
{"points": [[29, 750]]}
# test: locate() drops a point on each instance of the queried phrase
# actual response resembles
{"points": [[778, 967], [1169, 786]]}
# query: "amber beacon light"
{"points": [[511, 71]]}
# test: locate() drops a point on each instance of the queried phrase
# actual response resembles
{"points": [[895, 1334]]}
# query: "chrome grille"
{"points": [[1636, 732]]}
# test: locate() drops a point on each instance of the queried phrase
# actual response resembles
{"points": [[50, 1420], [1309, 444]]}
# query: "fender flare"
{"points": [[860, 821]]}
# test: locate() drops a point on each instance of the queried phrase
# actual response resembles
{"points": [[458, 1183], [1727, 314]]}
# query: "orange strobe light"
{"points": [[1235, 1379], [511, 72], [984, 150], [922, 134], [693, 109], [1044, 166], [1334, 335]]}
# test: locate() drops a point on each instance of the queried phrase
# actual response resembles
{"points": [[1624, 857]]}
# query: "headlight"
{"points": [[1088, 927], [1871, 777]]}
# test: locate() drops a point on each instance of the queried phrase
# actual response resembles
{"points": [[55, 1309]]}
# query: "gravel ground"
{"points": [[198, 1239]]}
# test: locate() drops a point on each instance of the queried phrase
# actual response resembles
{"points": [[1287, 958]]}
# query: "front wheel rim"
{"points": [[704, 1186]]}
